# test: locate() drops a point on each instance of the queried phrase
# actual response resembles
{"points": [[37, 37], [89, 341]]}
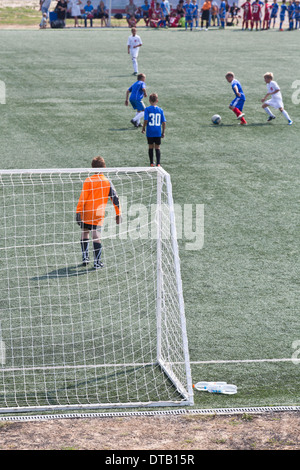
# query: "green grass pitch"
{"points": [[65, 93]]}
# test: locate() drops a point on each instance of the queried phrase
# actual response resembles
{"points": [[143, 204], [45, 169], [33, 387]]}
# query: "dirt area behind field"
{"points": [[20, 3], [270, 431]]}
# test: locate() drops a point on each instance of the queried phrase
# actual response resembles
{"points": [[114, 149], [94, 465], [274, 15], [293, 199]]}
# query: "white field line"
{"points": [[239, 361], [143, 364]]}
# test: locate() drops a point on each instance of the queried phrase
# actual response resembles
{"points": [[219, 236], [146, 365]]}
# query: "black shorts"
{"points": [[88, 226], [154, 140]]}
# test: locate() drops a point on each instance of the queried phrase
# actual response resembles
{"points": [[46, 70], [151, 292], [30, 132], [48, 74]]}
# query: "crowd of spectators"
{"points": [[156, 14], [162, 14], [76, 9]]}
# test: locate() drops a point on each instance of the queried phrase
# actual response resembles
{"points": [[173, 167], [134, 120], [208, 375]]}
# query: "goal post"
{"points": [[76, 337]]}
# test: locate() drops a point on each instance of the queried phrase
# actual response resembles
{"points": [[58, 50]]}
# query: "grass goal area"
{"points": [[65, 93]]}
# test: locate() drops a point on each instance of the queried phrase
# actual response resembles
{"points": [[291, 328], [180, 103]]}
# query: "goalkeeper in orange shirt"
{"points": [[90, 211]]}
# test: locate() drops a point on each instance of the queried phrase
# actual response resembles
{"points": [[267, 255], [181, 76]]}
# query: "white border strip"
{"points": [[132, 414]]}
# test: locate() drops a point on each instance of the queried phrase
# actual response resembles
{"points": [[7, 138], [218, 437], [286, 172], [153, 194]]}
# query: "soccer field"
{"points": [[65, 93]]}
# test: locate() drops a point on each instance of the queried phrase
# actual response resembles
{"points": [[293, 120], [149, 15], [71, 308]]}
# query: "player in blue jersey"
{"points": [[282, 12], [196, 13], [274, 12], [154, 126], [297, 15], [222, 14], [237, 104], [137, 92], [291, 14], [189, 9]]}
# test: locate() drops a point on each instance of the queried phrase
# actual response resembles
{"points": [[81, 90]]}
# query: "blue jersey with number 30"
{"points": [[154, 116]]}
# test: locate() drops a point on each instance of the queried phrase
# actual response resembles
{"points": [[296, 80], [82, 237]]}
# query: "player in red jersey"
{"points": [[256, 12], [266, 22], [247, 14]]}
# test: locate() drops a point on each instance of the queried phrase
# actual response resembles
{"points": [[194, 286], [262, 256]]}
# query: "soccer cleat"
{"points": [[290, 122], [270, 118], [134, 123], [85, 260], [243, 123], [241, 115], [98, 265]]}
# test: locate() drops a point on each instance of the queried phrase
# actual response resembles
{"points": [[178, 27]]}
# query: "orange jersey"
{"points": [[206, 5], [93, 199]]}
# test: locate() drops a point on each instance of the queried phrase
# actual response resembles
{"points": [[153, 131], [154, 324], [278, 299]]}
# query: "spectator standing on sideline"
{"points": [[133, 45], [45, 6], [61, 9], [180, 9], [75, 10], [215, 13]]}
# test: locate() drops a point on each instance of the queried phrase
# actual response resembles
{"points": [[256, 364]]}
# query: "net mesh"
{"points": [[73, 335]]}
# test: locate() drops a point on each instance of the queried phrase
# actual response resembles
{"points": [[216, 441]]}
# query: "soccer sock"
{"points": [[269, 112], [85, 247], [243, 120], [135, 64], [285, 114], [138, 116], [97, 251], [150, 153], [157, 154], [237, 112]]}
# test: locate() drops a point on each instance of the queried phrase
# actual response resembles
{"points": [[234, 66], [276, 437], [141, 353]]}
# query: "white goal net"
{"points": [[76, 337]]}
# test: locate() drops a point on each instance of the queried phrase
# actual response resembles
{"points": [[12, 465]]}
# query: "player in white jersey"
{"points": [[133, 45], [276, 98]]}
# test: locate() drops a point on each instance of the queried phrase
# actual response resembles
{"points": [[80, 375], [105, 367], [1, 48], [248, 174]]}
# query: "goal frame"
{"points": [[186, 391]]}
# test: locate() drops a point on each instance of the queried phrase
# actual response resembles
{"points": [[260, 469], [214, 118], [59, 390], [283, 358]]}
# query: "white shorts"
{"points": [[275, 103]]}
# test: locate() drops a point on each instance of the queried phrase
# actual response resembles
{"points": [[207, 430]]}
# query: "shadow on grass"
{"points": [[253, 124], [67, 271]]}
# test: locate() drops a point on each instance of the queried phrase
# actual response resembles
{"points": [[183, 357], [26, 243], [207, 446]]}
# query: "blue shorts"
{"points": [[238, 103], [138, 105]]}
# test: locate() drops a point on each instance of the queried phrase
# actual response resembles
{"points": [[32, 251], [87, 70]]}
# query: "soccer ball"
{"points": [[216, 119]]}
